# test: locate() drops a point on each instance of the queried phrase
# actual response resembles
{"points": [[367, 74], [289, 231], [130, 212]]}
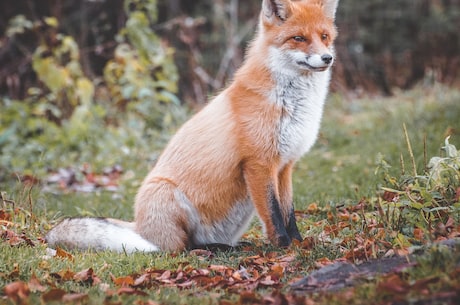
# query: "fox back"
{"points": [[235, 157]]}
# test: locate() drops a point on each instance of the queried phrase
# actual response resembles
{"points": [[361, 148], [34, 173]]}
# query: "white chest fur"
{"points": [[302, 100]]}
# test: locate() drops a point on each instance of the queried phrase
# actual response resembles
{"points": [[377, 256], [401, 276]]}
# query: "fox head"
{"points": [[299, 34]]}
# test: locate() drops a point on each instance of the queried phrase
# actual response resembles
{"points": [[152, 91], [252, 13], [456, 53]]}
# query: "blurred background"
{"points": [[382, 44], [69, 67]]}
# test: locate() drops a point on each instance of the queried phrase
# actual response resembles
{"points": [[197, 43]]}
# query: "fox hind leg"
{"points": [[164, 216]]}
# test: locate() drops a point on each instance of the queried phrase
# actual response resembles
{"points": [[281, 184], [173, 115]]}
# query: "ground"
{"points": [[365, 198]]}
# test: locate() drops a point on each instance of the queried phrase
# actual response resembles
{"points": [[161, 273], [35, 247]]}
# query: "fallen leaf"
{"points": [[35, 285], [390, 196], [268, 281], [12, 238], [63, 254], [344, 216], [74, 297], [249, 297], [201, 252], [393, 284], [165, 276], [142, 280], [276, 298], [355, 217], [87, 276], [419, 234], [53, 295], [18, 292], [64, 275], [323, 262], [308, 243], [312, 208], [123, 281], [422, 284], [149, 302], [15, 272], [277, 270], [5, 216], [131, 291]]}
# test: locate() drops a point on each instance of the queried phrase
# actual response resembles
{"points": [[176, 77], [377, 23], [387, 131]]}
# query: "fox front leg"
{"points": [[286, 201], [261, 181]]}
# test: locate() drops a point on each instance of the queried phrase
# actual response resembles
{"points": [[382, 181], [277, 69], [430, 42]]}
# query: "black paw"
{"points": [[283, 241]]}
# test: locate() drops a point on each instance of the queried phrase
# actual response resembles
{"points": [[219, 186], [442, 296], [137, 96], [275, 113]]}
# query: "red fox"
{"points": [[235, 157]]}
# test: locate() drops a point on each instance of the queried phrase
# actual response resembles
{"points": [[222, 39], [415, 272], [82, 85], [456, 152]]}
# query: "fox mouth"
{"points": [[313, 68]]}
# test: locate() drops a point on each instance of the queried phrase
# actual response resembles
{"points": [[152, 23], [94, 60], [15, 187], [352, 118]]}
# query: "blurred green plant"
{"points": [[72, 119], [57, 65], [142, 75], [422, 204]]}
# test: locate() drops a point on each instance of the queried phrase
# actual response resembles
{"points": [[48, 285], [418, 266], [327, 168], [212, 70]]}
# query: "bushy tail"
{"points": [[98, 234]]}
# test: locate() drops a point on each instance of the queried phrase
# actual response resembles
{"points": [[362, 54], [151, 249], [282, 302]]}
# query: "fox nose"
{"points": [[326, 58]]}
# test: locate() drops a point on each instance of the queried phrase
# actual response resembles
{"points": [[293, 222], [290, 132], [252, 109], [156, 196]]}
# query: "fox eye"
{"points": [[324, 37], [299, 38]]}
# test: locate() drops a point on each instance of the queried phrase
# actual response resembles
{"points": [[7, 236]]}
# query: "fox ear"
{"points": [[276, 11], [330, 7]]}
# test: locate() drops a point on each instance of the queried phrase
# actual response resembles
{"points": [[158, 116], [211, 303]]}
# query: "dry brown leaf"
{"points": [[149, 302], [268, 281], [53, 295], [35, 285], [276, 298], [87, 276], [18, 292], [218, 268], [64, 275], [312, 208], [201, 252], [63, 254], [12, 238], [208, 282], [165, 276], [5, 216], [142, 280], [15, 273], [249, 297], [123, 281], [277, 270], [393, 284], [419, 234], [323, 262], [308, 243], [131, 291], [74, 297]]}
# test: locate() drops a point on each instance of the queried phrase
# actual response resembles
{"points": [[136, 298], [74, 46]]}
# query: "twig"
{"points": [[235, 38], [411, 153], [425, 157], [403, 167], [5, 200]]}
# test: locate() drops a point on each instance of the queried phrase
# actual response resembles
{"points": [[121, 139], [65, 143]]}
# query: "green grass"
{"points": [[339, 170], [354, 131]]}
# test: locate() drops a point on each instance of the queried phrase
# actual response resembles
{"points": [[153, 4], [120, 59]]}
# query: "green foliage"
{"points": [[444, 172], [57, 66], [31, 144], [18, 25], [73, 119], [424, 202], [142, 74]]}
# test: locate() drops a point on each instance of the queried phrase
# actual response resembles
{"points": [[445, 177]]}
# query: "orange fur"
{"points": [[236, 155], [228, 151]]}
